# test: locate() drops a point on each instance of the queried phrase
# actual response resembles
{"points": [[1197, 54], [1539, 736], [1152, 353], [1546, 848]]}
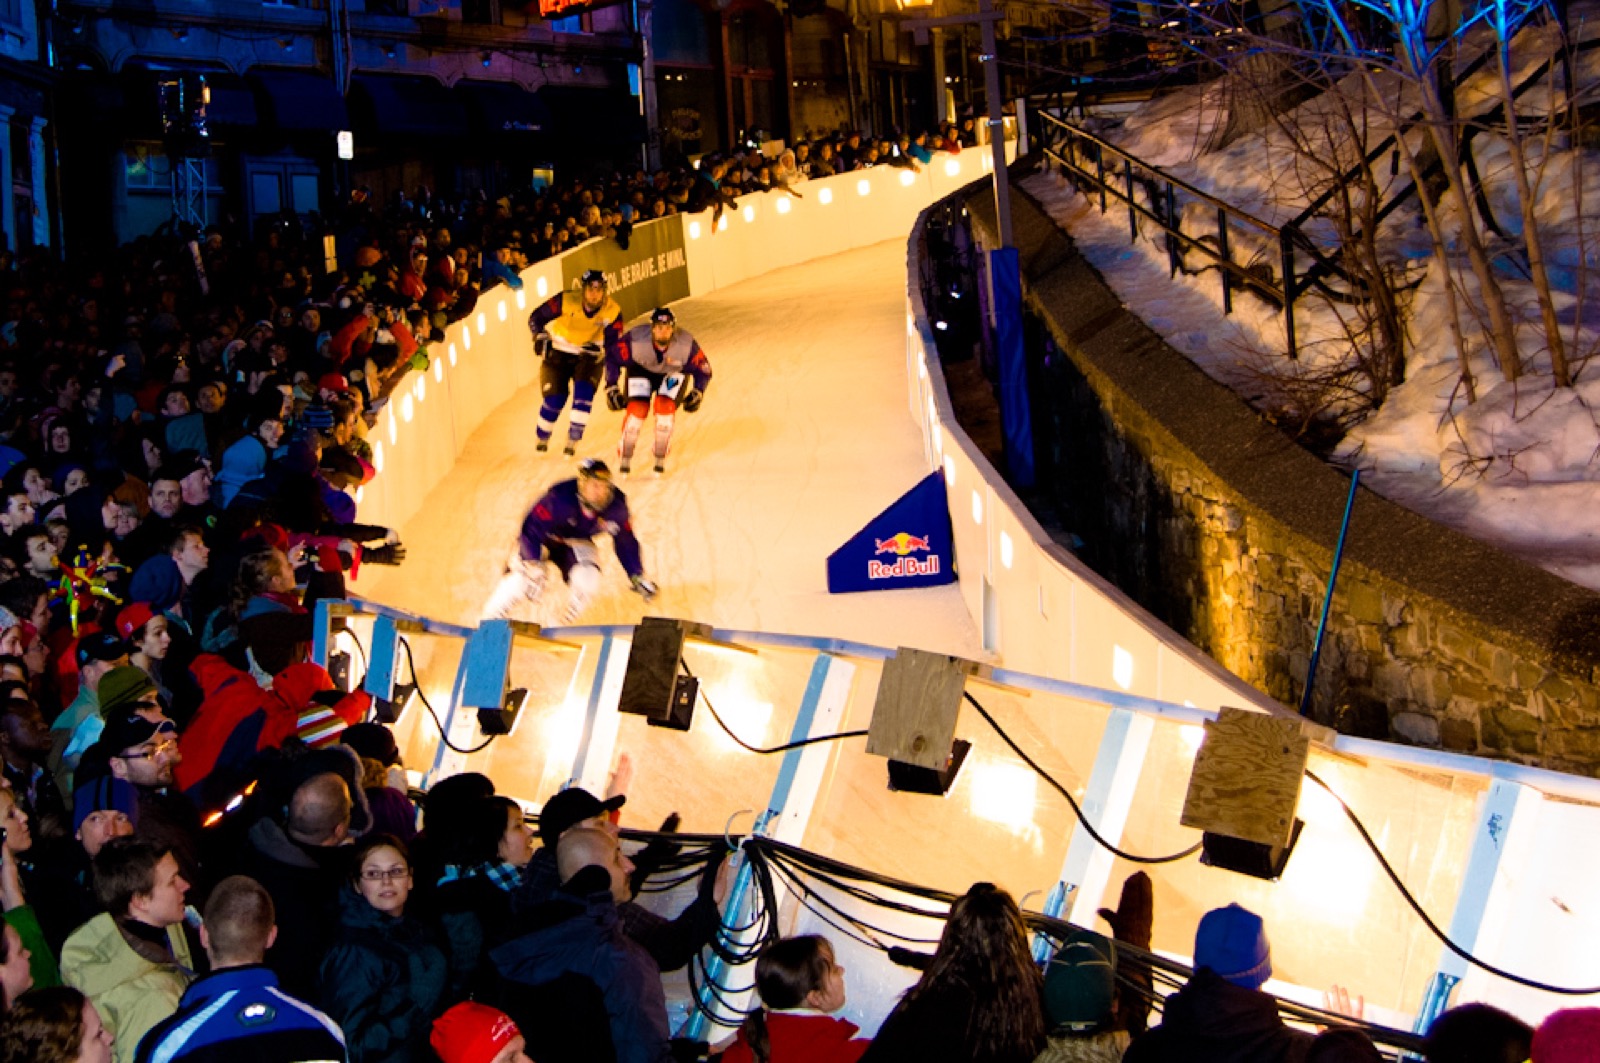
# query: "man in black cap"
{"points": [[96, 654], [672, 943], [140, 747]]}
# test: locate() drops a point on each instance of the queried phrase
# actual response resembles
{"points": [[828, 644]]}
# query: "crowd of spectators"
{"points": [[182, 445]]}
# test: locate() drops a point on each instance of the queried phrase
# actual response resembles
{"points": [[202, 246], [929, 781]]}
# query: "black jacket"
{"points": [[1211, 1020], [575, 968], [304, 883], [383, 982]]}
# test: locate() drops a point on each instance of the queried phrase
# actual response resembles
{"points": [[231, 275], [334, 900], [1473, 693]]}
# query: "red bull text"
{"points": [[902, 544]]}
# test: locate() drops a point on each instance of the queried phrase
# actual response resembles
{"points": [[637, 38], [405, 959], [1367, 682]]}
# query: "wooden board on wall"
{"points": [[919, 698], [1246, 780]]}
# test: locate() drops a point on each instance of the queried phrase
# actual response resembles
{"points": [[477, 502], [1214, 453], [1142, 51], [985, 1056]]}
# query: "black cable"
{"points": [[366, 666], [411, 665], [1077, 810], [814, 740], [1427, 921]]}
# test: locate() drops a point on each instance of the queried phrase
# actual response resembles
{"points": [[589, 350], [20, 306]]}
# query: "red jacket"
{"points": [[239, 719], [799, 1038]]}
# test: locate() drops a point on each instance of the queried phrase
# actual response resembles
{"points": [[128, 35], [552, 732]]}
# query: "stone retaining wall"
{"points": [[1224, 528]]}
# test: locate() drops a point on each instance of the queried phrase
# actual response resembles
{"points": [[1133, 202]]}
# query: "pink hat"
{"points": [[1569, 1036], [472, 1033]]}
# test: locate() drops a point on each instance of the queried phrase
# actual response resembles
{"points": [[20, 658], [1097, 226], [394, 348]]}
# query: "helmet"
{"points": [[593, 276], [595, 489], [662, 316]]}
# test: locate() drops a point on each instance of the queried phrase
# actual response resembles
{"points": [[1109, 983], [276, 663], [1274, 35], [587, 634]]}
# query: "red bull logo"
{"points": [[902, 544], [904, 566]]}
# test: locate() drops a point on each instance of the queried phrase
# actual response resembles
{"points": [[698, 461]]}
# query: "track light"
{"points": [[912, 779], [488, 57], [503, 720], [389, 710]]}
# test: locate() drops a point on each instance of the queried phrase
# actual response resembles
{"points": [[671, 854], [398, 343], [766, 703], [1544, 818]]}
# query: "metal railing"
{"points": [[1097, 166]]}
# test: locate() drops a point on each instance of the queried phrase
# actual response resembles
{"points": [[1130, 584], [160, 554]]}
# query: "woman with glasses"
{"points": [[384, 978]]}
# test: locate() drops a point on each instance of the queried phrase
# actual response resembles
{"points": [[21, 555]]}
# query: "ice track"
{"points": [[804, 435]]}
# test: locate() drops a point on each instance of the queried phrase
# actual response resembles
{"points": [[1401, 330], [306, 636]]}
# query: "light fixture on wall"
{"points": [[388, 51], [487, 58]]}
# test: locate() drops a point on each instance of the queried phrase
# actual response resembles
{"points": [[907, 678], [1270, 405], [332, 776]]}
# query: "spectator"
{"points": [[148, 639], [1571, 1035], [140, 747], [979, 999], [383, 778], [473, 895], [1477, 1033], [165, 579], [304, 866], [133, 960], [800, 984], [1080, 991], [237, 1012], [102, 809], [58, 1025], [21, 921], [1221, 1011], [24, 752], [473, 1033], [576, 962], [96, 654], [119, 688], [384, 977]]}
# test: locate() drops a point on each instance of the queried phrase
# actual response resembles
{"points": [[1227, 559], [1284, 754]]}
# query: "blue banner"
{"points": [[907, 545]]}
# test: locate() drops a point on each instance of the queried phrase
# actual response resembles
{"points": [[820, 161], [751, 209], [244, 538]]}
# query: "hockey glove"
{"points": [[692, 401], [593, 350], [644, 588], [389, 554], [615, 399], [541, 344]]}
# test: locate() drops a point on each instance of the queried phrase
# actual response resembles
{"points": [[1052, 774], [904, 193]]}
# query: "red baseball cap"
{"points": [[333, 382], [133, 617], [472, 1033]]}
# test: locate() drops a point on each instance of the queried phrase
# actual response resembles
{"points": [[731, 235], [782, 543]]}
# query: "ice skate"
{"points": [[570, 449], [542, 446], [661, 466], [623, 467]]}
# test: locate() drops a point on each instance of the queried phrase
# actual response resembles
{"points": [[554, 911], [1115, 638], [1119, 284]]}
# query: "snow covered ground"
{"points": [[1520, 467], [804, 436]]}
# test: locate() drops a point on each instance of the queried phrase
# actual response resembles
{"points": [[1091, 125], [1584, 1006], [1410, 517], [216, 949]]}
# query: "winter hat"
{"points": [[133, 618], [1232, 941], [1568, 1036], [105, 794], [569, 808], [373, 741], [158, 582], [121, 688], [1079, 983], [333, 382], [8, 619], [472, 1033], [100, 646]]}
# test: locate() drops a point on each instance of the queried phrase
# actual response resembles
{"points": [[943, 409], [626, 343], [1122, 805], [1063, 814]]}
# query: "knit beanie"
{"points": [[1568, 1036], [105, 794], [1232, 941], [1079, 984], [472, 1033], [121, 687]]}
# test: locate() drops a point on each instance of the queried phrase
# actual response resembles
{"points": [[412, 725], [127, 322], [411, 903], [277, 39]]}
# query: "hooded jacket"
{"points": [[1211, 1020], [580, 938], [131, 992], [304, 883], [382, 981]]}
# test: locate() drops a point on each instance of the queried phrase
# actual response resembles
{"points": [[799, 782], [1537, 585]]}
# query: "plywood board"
{"points": [[919, 698], [1246, 780]]}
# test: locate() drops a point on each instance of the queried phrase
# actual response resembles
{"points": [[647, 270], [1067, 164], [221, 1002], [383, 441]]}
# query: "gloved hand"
{"points": [[592, 349], [388, 554], [541, 344], [419, 360], [615, 399], [644, 588], [691, 402], [648, 861]]}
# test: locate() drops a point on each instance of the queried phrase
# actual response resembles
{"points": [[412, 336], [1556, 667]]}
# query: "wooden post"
{"points": [[1247, 774], [919, 698]]}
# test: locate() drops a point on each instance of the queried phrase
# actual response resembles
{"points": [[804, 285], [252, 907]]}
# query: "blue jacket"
{"points": [[559, 517], [582, 937], [239, 1015]]}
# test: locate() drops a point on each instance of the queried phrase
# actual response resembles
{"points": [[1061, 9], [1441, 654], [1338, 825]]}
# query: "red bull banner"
{"points": [[907, 545]]}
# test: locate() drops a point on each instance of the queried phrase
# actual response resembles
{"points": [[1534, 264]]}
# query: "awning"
{"points": [[301, 99], [596, 116], [416, 105], [503, 107], [232, 102]]}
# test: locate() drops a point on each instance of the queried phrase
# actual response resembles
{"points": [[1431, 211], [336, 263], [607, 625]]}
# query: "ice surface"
{"points": [[804, 436]]}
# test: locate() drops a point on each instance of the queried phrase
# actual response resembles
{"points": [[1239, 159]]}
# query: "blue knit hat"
{"points": [[1232, 941], [105, 794]]}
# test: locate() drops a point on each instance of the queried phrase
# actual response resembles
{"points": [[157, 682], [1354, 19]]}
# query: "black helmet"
{"points": [[593, 276], [594, 468], [662, 314]]}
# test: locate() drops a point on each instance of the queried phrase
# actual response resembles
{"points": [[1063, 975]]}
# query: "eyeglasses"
{"points": [[159, 749], [382, 874]]}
